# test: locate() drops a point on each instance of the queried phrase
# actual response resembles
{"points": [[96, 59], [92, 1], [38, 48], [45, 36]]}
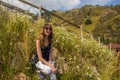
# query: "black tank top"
{"points": [[46, 52]]}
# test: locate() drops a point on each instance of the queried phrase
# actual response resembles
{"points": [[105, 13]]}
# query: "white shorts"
{"points": [[46, 69]]}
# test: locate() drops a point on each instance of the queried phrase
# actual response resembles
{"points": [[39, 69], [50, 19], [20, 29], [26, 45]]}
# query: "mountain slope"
{"points": [[102, 21]]}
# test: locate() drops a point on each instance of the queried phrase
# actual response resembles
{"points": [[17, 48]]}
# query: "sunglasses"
{"points": [[47, 28]]}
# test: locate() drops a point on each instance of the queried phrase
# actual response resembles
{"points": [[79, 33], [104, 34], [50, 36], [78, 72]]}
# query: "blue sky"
{"points": [[114, 2], [60, 4], [71, 4], [98, 2]]}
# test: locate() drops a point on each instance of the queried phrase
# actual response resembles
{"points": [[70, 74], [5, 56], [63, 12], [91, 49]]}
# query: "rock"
{"points": [[20, 76]]}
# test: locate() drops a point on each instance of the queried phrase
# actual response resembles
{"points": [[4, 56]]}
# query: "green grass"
{"points": [[77, 58], [93, 25]]}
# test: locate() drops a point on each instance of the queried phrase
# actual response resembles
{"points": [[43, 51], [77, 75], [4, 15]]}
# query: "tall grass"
{"points": [[17, 41], [75, 59], [85, 60]]}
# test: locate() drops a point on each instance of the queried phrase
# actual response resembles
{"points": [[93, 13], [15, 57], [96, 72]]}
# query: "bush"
{"points": [[88, 21]]}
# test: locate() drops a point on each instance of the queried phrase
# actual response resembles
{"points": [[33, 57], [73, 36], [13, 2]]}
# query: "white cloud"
{"points": [[48, 4], [57, 4]]}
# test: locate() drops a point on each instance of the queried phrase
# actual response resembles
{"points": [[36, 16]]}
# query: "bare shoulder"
{"points": [[37, 41]]}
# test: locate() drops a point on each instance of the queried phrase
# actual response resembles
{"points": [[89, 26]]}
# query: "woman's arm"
{"points": [[50, 55], [39, 54]]}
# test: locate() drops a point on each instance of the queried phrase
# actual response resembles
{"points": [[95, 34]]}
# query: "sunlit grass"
{"points": [[77, 58]]}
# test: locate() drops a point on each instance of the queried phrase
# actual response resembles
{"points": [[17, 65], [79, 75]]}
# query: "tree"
{"points": [[88, 21]]}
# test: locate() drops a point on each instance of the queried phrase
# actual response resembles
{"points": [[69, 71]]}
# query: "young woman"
{"points": [[44, 53]]}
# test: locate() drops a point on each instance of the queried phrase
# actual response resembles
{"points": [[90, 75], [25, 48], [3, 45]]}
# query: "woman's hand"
{"points": [[54, 70]]}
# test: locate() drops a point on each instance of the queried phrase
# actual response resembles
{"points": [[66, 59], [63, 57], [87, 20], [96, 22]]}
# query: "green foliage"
{"points": [[4, 17], [110, 29], [88, 21], [16, 38], [83, 58]]}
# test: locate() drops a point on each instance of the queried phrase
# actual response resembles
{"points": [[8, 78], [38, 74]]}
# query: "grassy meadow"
{"points": [[77, 57]]}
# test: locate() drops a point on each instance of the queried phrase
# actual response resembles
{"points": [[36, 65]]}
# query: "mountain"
{"points": [[101, 21]]}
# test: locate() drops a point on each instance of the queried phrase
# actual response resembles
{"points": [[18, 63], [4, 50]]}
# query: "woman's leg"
{"points": [[41, 75], [44, 68], [52, 76]]}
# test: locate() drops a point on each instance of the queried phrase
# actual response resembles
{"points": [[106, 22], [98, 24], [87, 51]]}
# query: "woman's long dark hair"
{"points": [[42, 35]]}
